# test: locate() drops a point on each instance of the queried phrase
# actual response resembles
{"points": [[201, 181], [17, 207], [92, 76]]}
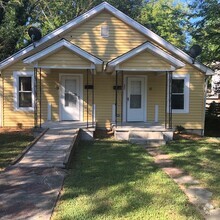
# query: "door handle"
{"points": [[127, 99]]}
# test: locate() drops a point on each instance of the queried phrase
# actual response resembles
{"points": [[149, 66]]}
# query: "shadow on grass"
{"points": [[199, 158], [12, 144], [111, 180]]}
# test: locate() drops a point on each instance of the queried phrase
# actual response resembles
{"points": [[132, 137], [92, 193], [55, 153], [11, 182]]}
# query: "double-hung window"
{"points": [[24, 91], [180, 93]]}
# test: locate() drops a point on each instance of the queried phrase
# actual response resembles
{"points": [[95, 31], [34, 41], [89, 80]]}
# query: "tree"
{"points": [[207, 28], [166, 18]]}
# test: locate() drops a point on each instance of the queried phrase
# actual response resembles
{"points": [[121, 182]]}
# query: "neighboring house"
{"points": [[103, 67]]}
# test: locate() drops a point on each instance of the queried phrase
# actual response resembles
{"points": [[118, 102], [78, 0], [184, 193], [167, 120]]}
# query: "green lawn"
{"points": [[12, 144], [201, 159], [116, 180]]}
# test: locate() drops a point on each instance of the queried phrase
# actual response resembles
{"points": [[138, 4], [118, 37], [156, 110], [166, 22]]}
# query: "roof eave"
{"points": [[62, 43]]}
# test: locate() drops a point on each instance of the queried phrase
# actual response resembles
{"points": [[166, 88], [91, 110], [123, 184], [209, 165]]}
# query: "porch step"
{"points": [[149, 138], [146, 135], [148, 143]]}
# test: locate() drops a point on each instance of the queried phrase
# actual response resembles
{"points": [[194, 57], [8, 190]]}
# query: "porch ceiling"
{"points": [[146, 57], [79, 58]]}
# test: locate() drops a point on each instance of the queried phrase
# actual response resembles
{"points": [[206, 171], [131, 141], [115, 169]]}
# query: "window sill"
{"points": [[24, 109], [179, 111]]}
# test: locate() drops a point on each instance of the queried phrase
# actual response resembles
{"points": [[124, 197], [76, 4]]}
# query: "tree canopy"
{"points": [[206, 28]]}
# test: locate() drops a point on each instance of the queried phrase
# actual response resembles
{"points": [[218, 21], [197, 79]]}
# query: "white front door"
{"points": [[136, 99], [70, 98]]}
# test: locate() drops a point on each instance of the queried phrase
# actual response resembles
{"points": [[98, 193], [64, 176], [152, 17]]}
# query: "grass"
{"points": [[11, 145], [201, 159], [117, 180]]}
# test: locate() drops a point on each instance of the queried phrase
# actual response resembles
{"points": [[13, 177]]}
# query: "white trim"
{"points": [[156, 113], [145, 47], [49, 113], [16, 75], [186, 78], [55, 47], [113, 113], [66, 67], [144, 70], [106, 6], [124, 116], [81, 94]]}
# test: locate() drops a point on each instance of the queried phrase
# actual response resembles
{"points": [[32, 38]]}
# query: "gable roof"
{"points": [[57, 46], [120, 15], [147, 46]]}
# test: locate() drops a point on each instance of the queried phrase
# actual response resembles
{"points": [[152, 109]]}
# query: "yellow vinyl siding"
{"points": [[122, 38], [195, 118], [145, 60], [104, 99], [64, 58], [156, 96], [11, 117], [49, 95]]}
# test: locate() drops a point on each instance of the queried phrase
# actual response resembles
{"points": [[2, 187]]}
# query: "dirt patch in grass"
{"points": [[103, 133], [192, 137], [16, 130]]}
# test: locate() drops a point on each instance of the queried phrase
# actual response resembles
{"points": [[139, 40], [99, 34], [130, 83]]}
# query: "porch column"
{"points": [[40, 98], [116, 98], [93, 100], [35, 98], [87, 101], [122, 94], [170, 76]]}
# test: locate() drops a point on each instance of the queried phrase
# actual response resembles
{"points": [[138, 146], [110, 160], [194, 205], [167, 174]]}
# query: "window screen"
{"points": [[25, 92], [178, 94]]}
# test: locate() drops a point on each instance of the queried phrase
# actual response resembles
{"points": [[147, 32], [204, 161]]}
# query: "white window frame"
{"points": [[186, 78], [16, 76]]}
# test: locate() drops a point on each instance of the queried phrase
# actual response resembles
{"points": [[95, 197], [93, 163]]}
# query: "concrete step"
{"points": [[148, 142], [148, 135]]}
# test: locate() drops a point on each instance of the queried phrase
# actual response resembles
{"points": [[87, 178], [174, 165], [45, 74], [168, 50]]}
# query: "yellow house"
{"points": [[104, 68]]}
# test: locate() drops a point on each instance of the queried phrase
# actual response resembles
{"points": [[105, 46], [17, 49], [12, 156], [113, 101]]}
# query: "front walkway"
{"points": [[197, 195], [30, 188], [51, 149]]}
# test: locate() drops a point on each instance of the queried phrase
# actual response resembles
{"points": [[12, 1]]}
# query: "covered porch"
{"points": [[64, 86], [143, 93]]}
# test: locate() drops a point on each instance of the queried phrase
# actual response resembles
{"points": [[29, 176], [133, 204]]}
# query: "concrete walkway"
{"points": [[30, 188], [197, 195], [51, 149]]}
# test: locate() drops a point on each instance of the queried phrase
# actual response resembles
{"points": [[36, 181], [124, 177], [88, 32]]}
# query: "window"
{"points": [[105, 31], [24, 91], [180, 93]]}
